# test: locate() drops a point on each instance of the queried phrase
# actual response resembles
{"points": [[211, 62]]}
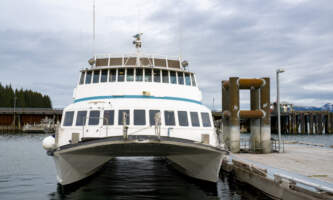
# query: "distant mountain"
{"points": [[328, 107]]}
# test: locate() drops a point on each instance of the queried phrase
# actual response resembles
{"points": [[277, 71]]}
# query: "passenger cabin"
{"points": [[133, 69]]}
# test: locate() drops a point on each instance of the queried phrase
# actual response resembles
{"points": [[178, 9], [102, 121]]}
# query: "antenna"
{"points": [[94, 34]]}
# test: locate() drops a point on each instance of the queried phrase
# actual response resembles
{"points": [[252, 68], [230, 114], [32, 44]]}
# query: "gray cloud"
{"points": [[44, 47]]}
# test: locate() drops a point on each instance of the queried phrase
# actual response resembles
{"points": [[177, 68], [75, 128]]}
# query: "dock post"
{"points": [[225, 119], [234, 129], [255, 123], [265, 121], [320, 123], [329, 122], [302, 123], [311, 123], [316, 123]]}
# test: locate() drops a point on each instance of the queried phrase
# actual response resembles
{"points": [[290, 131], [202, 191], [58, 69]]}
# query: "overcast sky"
{"points": [[43, 44]]}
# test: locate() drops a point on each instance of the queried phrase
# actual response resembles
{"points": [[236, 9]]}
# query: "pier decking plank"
{"points": [[313, 162]]}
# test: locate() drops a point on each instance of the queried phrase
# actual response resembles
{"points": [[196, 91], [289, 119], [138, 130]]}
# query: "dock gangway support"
{"points": [[260, 139]]}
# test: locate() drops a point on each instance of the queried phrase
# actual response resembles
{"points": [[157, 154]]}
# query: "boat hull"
{"points": [[75, 162]]}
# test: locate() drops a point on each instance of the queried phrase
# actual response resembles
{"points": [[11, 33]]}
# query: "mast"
{"points": [[137, 42]]}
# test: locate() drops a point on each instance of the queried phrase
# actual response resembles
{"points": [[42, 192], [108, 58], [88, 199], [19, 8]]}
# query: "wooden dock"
{"points": [[301, 172]]}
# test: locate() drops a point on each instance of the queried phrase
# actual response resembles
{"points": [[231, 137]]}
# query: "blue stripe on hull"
{"points": [[136, 97]]}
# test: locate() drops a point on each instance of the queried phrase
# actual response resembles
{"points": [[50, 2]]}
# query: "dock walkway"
{"points": [[301, 172], [306, 160]]}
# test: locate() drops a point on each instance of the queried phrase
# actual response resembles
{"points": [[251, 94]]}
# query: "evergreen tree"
{"points": [[24, 98]]}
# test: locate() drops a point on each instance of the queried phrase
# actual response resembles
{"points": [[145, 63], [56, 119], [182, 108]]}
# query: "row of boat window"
{"points": [[139, 118], [137, 74]]}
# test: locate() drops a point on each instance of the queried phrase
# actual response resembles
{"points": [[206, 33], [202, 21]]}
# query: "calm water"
{"points": [[26, 172]]}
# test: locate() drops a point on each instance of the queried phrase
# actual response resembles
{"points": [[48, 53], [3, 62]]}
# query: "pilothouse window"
{"points": [[182, 118], [81, 118], [173, 78], [165, 76], [195, 119], [187, 79], [139, 75], [88, 77], [121, 115], [68, 121], [108, 117], [96, 77], [130, 75], [157, 75], [205, 119], [180, 78], [169, 117], [113, 75], [152, 114], [94, 117], [148, 75], [104, 76], [139, 117], [121, 75], [82, 78]]}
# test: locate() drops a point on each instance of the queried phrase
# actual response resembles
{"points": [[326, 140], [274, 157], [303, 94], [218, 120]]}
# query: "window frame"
{"points": [[197, 115], [153, 117], [181, 123], [165, 118], [202, 119], [93, 76], [120, 120], [109, 124], [64, 124], [115, 75], [88, 72], [101, 75], [96, 118], [144, 117], [84, 122]]}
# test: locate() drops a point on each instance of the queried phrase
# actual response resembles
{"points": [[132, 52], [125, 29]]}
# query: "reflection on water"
{"points": [[27, 173]]}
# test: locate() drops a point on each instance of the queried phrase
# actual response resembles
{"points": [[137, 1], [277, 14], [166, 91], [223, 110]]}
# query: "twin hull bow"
{"points": [[75, 162]]}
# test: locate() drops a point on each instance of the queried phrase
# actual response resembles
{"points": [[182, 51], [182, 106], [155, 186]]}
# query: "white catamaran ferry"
{"points": [[135, 105]]}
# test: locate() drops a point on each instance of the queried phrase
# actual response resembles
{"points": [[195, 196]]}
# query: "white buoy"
{"points": [[49, 143]]}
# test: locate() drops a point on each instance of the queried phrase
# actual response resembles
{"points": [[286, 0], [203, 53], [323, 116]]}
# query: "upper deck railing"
{"points": [[134, 60]]}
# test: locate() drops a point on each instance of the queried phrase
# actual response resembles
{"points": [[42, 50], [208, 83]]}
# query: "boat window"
{"points": [[180, 78], [173, 78], [182, 118], [108, 117], [139, 117], [104, 76], [148, 75], [81, 118], [68, 121], [193, 79], [195, 119], [130, 75], [165, 76], [94, 117], [120, 117], [113, 75], [205, 119], [139, 75], [169, 117], [82, 78], [187, 79], [157, 75], [152, 114], [121, 75], [88, 77], [96, 76]]}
